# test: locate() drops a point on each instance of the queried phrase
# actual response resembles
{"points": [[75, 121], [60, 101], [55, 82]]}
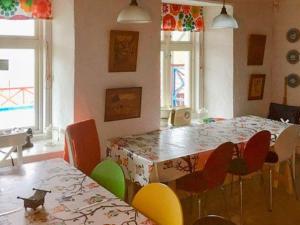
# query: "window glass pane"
{"points": [[162, 37], [180, 78], [17, 27], [180, 36], [162, 78], [17, 88]]}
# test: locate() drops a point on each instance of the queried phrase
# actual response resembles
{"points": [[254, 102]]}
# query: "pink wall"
{"points": [[93, 21], [286, 16]]}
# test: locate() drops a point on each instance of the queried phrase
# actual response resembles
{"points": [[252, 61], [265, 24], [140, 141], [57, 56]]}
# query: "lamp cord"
{"points": [[134, 2]]}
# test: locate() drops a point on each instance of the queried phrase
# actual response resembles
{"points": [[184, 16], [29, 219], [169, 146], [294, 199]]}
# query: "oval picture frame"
{"points": [[293, 80], [293, 56], [293, 35]]}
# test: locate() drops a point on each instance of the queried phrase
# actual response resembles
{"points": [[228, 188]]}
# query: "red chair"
{"points": [[251, 160], [213, 174], [82, 148], [213, 220]]}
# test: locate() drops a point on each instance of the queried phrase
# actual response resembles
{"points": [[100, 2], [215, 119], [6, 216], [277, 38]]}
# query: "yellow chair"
{"points": [[159, 203]]}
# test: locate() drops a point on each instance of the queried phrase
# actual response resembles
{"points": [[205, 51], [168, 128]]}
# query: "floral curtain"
{"points": [[181, 18], [25, 9]]}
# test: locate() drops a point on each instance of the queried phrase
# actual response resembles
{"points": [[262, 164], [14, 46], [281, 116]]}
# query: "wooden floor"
{"points": [[286, 209]]}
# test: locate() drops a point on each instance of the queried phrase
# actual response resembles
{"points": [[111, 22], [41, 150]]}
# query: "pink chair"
{"points": [[213, 174], [252, 160]]}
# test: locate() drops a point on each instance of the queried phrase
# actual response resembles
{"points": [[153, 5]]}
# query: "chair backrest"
{"points": [[256, 151], [213, 220], [110, 176], [287, 142], [285, 112], [84, 143], [217, 165], [159, 203]]}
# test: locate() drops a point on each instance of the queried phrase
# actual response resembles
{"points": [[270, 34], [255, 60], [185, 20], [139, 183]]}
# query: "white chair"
{"points": [[285, 147]]}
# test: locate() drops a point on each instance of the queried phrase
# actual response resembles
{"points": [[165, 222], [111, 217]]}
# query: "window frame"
{"points": [[41, 43], [194, 46]]}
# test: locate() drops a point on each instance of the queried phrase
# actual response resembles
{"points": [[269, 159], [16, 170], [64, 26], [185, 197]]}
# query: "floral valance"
{"points": [[181, 17], [25, 9]]}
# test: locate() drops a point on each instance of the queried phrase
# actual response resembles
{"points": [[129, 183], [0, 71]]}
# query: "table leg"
{"points": [[130, 191], [20, 155], [156, 175]]}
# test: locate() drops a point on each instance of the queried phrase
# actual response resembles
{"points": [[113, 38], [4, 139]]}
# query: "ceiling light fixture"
{"points": [[224, 20], [134, 14]]}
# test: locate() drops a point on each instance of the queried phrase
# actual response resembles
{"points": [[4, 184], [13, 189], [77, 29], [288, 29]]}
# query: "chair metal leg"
{"points": [[262, 180], [271, 190], [241, 200], [293, 180], [294, 165], [199, 207], [231, 184], [225, 201]]}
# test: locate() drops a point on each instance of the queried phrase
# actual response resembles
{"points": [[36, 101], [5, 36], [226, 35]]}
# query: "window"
{"points": [[178, 72], [22, 57]]}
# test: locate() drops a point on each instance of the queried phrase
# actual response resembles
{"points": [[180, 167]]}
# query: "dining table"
{"points": [[74, 199], [168, 154]]}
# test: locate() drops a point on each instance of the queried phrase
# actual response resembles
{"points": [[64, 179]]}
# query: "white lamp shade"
{"points": [[224, 21], [134, 14]]}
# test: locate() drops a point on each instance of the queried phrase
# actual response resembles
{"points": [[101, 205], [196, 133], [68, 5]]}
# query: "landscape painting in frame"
{"points": [[123, 103], [256, 86], [123, 51]]}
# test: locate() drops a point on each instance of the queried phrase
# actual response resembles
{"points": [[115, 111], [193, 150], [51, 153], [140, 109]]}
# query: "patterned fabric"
{"points": [[181, 17], [163, 155], [74, 199], [25, 9]]}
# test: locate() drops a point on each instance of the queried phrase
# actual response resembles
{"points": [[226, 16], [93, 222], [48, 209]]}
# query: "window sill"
{"points": [[41, 150]]}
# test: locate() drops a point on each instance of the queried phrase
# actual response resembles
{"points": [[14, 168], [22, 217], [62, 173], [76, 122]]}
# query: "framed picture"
{"points": [[256, 50], [123, 51], [123, 103], [256, 86]]}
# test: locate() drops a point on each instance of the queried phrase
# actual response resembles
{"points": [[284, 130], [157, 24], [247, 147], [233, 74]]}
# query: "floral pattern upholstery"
{"points": [[166, 155], [70, 190]]}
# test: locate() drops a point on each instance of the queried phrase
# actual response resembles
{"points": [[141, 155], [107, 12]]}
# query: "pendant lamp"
{"points": [[134, 14], [224, 20]]}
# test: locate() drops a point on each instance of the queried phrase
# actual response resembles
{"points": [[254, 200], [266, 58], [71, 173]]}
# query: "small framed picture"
{"points": [[256, 86], [123, 103], [256, 49], [123, 51]]}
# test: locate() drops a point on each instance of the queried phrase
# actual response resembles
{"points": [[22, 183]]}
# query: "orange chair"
{"points": [[82, 148]]}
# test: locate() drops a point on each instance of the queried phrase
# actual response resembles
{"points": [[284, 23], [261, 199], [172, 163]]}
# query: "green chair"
{"points": [[110, 175]]}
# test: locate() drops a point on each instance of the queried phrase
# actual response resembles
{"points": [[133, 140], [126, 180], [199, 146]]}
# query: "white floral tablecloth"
{"points": [[70, 191], [162, 155]]}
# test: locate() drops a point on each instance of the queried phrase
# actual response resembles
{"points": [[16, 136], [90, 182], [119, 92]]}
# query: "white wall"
{"points": [[254, 17], [286, 16], [93, 21], [218, 67], [63, 41]]}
